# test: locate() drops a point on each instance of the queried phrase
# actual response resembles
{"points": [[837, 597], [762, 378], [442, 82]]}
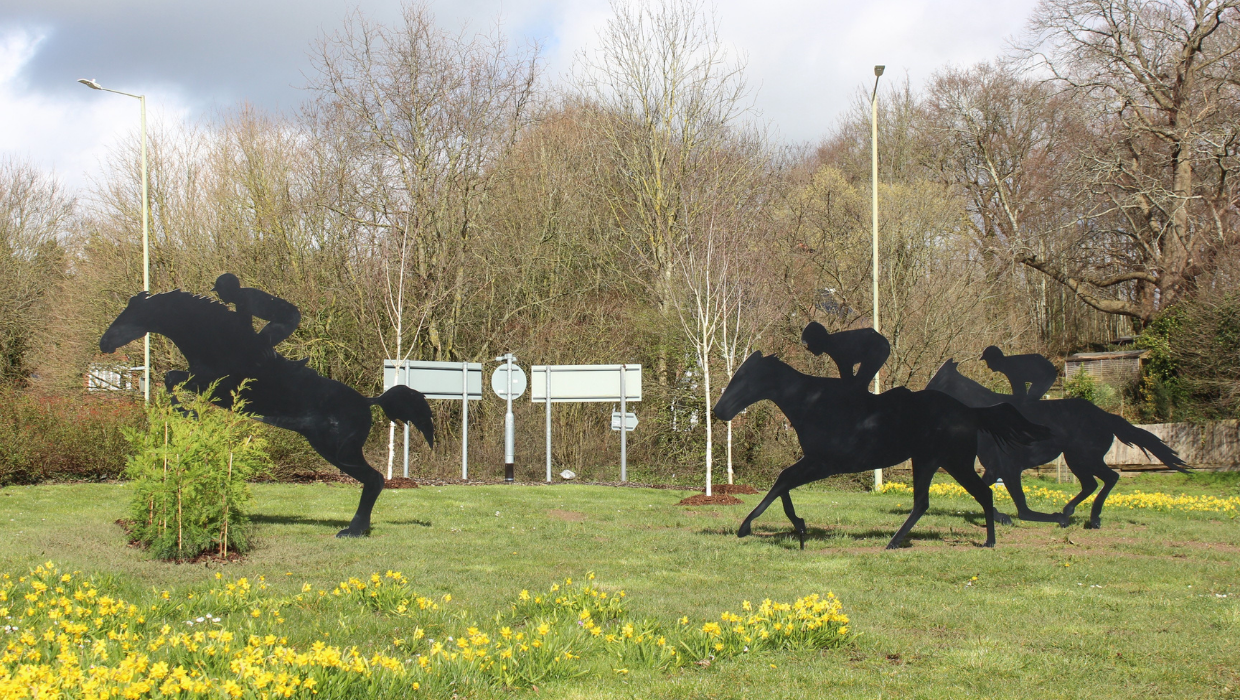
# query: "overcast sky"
{"points": [[805, 58]]}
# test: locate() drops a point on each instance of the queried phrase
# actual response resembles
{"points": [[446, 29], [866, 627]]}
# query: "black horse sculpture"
{"points": [[221, 345], [1080, 431], [844, 429]]}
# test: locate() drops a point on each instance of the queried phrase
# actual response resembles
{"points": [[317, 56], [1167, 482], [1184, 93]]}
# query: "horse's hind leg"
{"points": [[995, 466], [1109, 479], [790, 478], [963, 472], [797, 523], [346, 454], [1086, 476], [923, 474]]}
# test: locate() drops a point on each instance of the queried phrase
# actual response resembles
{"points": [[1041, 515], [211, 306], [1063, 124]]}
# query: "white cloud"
{"points": [[807, 58], [70, 135]]}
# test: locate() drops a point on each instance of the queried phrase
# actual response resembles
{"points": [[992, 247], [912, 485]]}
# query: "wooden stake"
{"points": [[224, 536]]}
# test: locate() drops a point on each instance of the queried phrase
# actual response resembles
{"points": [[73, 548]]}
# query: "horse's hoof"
{"points": [[348, 532], [990, 544], [1065, 522], [743, 530], [1002, 518], [1094, 525]]}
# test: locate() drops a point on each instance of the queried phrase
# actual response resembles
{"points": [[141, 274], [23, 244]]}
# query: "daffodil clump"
{"points": [[812, 622], [69, 635], [1138, 499]]}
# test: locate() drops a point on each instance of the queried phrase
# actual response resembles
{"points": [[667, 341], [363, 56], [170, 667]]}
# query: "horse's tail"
{"points": [[404, 404], [1008, 427], [1148, 442]]}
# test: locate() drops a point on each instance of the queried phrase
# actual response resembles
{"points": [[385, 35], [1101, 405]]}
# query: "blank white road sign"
{"points": [[585, 383], [436, 380]]}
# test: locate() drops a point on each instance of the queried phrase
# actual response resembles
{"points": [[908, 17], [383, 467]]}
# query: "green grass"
{"points": [[1032, 624]]}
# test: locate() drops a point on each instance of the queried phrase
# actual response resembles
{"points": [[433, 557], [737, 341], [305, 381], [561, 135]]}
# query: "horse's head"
{"points": [[752, 382], [943, 379], [133, 323]]}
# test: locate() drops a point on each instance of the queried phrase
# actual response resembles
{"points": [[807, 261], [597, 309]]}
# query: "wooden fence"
{"points": [[1214, 445]]}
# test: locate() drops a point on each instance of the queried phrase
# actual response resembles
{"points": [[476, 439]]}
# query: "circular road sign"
{"points": [[499, 381]]}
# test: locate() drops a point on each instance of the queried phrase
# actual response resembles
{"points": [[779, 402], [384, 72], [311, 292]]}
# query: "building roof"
{"points": [[1112, 355]]}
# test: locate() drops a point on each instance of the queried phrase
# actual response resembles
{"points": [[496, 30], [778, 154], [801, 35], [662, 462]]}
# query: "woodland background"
{"points": [[438, 198]]}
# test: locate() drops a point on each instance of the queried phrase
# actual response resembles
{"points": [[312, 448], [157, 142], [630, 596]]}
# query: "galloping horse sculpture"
{"points": [[221, 346], [844, 429], [1080, 431]]}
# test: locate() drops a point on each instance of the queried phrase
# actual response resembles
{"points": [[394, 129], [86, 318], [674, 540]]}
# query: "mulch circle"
{"points": [[400, 482], [702, 499]]}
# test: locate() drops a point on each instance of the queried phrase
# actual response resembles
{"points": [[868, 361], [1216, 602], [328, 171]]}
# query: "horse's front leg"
{"points": [[789, 478], [923, 474], [1017, 492]]}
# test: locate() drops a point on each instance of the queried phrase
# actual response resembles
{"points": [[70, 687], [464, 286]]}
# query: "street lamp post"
{"points": [[878, 72], [146, 235]]}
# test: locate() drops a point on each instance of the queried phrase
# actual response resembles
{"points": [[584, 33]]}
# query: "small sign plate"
{"points": [[630, 421], [499, 381]]}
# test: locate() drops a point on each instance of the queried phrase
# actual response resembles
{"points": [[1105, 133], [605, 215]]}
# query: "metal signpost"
{"points": [[453, 381], [589, 383], [508, 382]]}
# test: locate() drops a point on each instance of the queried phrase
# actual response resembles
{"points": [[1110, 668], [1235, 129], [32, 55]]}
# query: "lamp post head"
{"points": [[878, 70], [90, 83]]}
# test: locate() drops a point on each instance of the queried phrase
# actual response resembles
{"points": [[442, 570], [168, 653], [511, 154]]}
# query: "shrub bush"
{"points": [[190, 473], [75, 436]]}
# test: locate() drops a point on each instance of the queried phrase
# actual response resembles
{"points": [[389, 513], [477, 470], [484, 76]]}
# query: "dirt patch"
{"points": [[400, 482], [734, 489], [702, 499], [571, 516]]}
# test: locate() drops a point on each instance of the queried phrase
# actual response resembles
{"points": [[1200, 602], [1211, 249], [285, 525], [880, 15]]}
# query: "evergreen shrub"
{"points": [[189, 469]]}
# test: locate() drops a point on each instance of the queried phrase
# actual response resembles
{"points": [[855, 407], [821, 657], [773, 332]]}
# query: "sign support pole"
{"points": [[464, 421], [406, 366], [509, 438], [624, 446], [547, 371]]}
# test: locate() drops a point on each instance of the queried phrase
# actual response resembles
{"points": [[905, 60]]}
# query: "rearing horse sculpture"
{"points": [[220, 345], [1080, 431], [845, 429]]}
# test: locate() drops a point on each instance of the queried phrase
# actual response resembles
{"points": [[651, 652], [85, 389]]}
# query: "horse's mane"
{"points": [[202, 307], [957, 383]]}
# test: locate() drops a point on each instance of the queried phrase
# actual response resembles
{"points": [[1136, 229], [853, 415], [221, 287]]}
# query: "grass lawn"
{"points": [[1149, 606]]}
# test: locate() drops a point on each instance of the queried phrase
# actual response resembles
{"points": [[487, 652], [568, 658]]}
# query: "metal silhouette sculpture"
{"points": [[220, 345], [844, 429], [864, 349], [1033, 370], [1080, 431]]}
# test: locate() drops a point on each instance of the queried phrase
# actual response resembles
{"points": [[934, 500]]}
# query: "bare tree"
{"points": [[417, 118], [708, 279], [411, 119], [1158, 80], [35, 213], [667, 91]]}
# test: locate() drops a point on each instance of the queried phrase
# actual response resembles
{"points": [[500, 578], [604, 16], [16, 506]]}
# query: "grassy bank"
{"points": [[1148, 605]]}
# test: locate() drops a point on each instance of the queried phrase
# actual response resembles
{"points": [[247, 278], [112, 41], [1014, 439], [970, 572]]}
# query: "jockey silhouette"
{"points": [[281, 316], [1033, 369], [864, 346]]}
